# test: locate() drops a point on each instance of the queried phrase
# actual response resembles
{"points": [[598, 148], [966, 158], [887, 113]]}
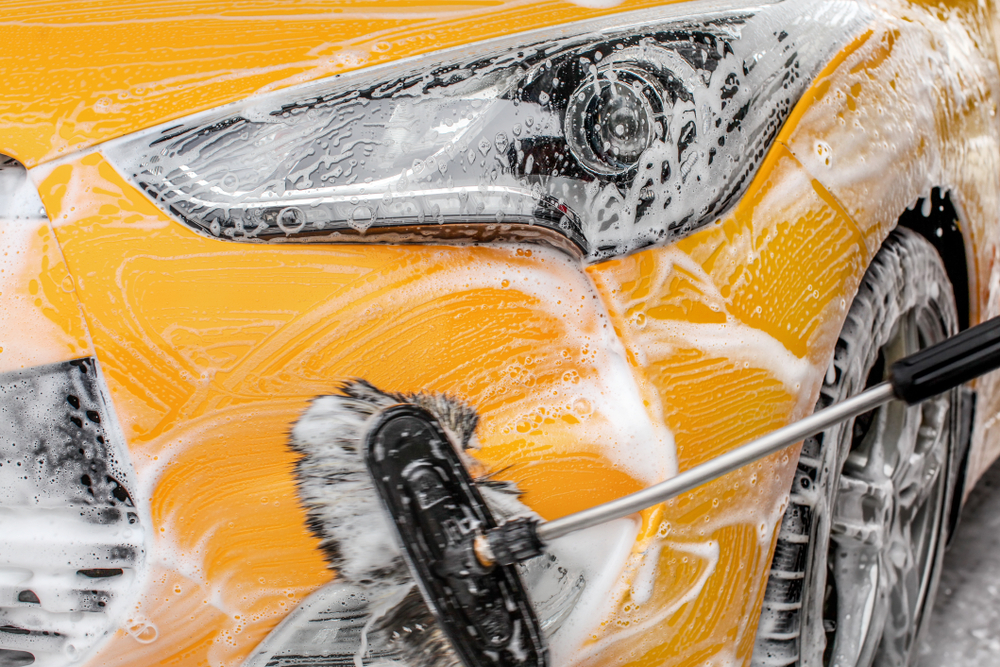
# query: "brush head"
{"points": [[437, 511]]}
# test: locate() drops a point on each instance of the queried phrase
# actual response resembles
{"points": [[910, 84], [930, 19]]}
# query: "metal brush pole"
{"points": [[726, 463], [927, 373], [521, 539]]}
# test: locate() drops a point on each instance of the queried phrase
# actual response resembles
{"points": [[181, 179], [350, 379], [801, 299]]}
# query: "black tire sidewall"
{"points": [[906, 274]]}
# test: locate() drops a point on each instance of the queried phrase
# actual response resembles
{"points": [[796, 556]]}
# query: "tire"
{"points": [[858, 554]]}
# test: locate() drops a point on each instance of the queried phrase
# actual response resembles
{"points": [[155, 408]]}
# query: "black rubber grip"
{"points": [[515, 541], [941, 367]]}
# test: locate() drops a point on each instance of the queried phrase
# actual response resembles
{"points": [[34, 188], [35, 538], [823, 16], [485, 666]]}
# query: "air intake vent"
{"points": [[10, 658], [72, 539]]}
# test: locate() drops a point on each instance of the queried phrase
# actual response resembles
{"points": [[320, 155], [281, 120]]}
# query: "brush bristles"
{"points": [[345, 513], [342, 507]]}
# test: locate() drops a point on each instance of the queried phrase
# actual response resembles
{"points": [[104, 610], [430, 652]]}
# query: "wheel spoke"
{"points": [[920, 480], [916, 479], [862, 511], [861, 599], [905, 581]]}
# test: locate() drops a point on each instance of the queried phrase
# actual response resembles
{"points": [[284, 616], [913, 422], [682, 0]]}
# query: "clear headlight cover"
{"points": [[609, 135]]}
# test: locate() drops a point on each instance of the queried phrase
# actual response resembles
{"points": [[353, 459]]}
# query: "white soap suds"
{"points": [[19, 201], [44, 551], [600, 553], [597, 4], [619, 424], [707, 555], [733, 340], [27, 337]]}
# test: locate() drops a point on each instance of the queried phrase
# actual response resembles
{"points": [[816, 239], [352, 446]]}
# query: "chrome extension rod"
{"points": [[732, 460], [914, 379]]}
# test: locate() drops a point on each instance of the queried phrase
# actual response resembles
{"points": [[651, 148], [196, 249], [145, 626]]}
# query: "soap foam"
{"points": [[734, 340], [27, 337], [627, 435], [600, 554]]}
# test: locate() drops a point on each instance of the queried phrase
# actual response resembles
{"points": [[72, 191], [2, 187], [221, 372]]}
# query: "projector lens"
{"points": [[610, 122]]}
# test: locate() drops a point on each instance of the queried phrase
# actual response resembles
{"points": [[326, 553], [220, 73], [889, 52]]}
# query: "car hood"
{"points": [[75, 74]]}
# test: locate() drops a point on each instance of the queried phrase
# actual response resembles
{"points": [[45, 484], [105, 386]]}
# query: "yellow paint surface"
{"points": [[739, 282], [909, 105], [211, 350], [40, 320], [112, 67]]}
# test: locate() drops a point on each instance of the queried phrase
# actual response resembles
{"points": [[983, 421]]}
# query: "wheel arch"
{"points": [[939, 219]]}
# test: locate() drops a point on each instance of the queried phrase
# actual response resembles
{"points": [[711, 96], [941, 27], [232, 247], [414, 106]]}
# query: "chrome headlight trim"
{"points": [[613, 134]]}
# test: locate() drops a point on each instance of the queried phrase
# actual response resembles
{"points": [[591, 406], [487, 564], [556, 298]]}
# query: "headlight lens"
{"points": [[615, 135], [613, 117]]}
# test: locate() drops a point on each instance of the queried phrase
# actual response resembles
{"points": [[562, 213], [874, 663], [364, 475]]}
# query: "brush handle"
{"points": [[916, 378], [952, 362], [732, 460], [513, 542]]}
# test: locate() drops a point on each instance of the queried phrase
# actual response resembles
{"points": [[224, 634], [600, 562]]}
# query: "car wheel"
{"points": [[857, 557]]}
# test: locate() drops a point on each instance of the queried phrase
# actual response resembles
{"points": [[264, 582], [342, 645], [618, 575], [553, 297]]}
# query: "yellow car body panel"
{"points": [[115, 67], [41, 322], [211, 350]]}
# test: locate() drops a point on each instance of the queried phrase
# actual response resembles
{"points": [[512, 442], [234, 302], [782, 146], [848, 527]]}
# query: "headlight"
{"points": [[614, 134]]}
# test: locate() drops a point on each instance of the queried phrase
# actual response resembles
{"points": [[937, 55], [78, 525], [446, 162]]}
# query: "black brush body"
{"points": [[437, 511]]}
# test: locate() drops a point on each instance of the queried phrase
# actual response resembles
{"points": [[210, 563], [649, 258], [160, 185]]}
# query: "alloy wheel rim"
{"points": [[885, 518]]}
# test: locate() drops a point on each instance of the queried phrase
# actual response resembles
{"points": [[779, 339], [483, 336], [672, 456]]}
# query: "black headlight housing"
{"points": [[608, 136]]}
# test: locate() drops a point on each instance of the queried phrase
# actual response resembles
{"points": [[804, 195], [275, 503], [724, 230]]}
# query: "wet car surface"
{"points": [[623, 237]]}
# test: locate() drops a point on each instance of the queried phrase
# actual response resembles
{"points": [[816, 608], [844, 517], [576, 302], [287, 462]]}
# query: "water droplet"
{"points": [[142, 630], [824, 152], [291, 220], [361, 218]]}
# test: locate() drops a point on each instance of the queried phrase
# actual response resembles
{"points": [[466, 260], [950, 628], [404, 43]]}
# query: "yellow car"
{"points": [[601, 241]]}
